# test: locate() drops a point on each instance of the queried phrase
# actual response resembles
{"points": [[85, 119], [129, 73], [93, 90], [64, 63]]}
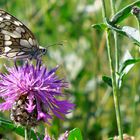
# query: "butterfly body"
{"points": [[16, 40]]}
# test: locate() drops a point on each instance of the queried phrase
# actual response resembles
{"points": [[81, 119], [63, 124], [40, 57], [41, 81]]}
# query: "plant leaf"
{"points": [[75, 134], [111, 139], [124, 13], [100, 26], [132, 33], [107, 80], [126, 66], [128, 31], [128, 63], [8, 126]]}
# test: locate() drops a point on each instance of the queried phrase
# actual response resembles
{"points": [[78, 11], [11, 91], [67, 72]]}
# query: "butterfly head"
{"points": [[42, 51], [39, 52]]}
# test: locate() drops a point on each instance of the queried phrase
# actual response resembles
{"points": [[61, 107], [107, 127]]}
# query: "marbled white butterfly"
{"points": [[16, 40]]}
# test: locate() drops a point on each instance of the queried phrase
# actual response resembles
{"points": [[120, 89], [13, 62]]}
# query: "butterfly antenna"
{"points": [[56, 44]]}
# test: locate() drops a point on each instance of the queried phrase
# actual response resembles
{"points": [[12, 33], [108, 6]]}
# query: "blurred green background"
{"points": [[83, 60]]}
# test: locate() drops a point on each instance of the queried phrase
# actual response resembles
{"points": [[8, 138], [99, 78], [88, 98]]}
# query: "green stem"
{"points": [[113, 6], [138, 21], [113, 77], [134, 90], [115, 39], [115, 91], [116, 52], [26, 133]]}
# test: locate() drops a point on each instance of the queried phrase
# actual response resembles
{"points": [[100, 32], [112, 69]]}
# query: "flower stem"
{"points": [[26, 133], [113, 77], [134, 103]]}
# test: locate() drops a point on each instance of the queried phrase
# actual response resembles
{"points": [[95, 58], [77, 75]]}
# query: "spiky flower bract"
{"points": [[34, 89]]}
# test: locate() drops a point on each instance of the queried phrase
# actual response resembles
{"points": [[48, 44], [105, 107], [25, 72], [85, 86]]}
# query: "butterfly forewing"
{"points": [[16, 40]]}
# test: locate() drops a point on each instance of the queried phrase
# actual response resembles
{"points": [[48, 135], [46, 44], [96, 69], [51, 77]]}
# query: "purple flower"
{"points": [[47, 137], [37, 88], [62, 136]]}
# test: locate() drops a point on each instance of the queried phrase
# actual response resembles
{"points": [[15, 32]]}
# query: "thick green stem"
{"points": [[115, 91], [115, 39], [113, 77]]}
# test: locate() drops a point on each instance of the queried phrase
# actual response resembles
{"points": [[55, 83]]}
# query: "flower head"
{"points": [[62, 136], [34, 90], [47, 137]]}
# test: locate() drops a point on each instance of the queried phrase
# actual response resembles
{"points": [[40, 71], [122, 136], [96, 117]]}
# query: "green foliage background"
{"points": [[83, 60]]}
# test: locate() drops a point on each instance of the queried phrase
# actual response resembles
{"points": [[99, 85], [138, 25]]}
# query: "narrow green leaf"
{"points": [[100, 26], [124, 13], [125, 67], [75, 134], [128, 63], [107, 80], [128, 31], [8, 126]]}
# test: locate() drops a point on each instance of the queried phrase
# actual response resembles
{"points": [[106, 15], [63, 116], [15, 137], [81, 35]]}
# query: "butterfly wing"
{"points": [[16, 40]]}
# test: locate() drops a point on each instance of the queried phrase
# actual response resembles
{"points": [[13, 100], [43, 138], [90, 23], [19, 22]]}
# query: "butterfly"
{"points": [[16, 40]]}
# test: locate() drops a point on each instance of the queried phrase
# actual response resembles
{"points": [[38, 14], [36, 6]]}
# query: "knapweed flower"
{"points": [[125, 137], [47, 137], [62, 136], [33, 94]]}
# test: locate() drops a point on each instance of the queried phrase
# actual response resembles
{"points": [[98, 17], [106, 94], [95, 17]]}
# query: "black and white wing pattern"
{"points": [[16, 40]]}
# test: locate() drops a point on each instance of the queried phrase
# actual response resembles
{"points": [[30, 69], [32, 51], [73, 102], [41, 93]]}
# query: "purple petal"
{"points": [[5, 106], [29, 105]]}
